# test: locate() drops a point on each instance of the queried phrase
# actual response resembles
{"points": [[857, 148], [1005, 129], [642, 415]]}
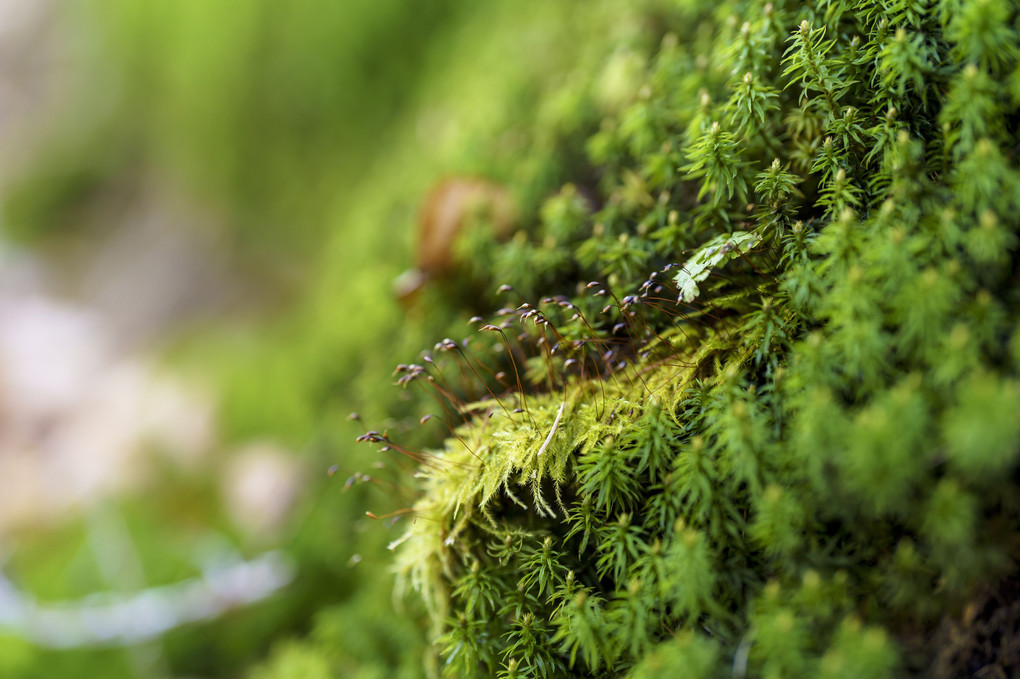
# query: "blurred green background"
{"points": [[228, 191]]}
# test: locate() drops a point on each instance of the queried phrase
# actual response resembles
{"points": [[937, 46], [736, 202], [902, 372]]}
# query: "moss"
{"points": [[778, 433]]}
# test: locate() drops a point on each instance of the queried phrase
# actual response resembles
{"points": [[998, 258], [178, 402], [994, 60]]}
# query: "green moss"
{"points": [[788, 456], [778, 434]]}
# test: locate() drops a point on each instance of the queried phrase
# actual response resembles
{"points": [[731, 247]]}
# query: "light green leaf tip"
{"points": [[715, 252]]}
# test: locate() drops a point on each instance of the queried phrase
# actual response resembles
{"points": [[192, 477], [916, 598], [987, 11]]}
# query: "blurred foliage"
{"points": [[269, 111]]}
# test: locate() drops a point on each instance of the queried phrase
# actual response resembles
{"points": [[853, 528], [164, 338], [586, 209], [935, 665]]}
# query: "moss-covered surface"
{"points": [[742, 395], [777, 433]]}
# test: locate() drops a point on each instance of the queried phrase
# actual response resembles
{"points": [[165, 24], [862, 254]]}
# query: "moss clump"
{"points": [[779, 435]]}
